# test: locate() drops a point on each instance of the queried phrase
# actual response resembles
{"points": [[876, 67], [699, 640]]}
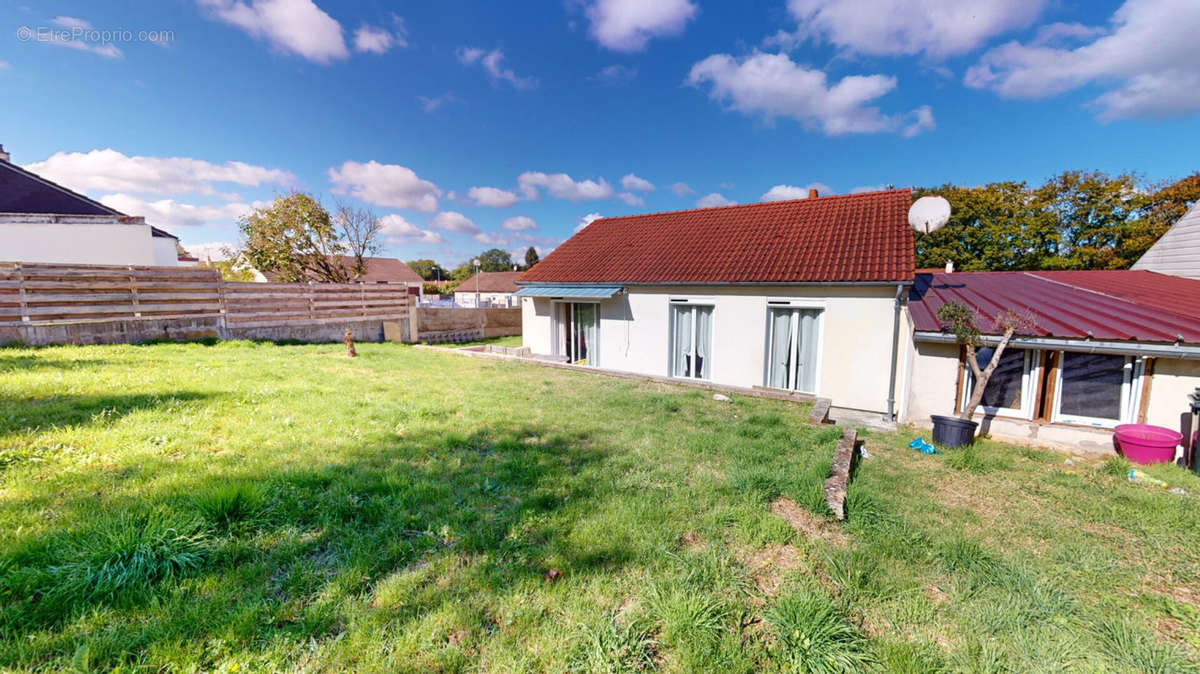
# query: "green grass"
{"points": [[247, 506]]}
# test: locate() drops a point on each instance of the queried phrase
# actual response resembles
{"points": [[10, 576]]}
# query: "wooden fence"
{"points": [[48, 294]]}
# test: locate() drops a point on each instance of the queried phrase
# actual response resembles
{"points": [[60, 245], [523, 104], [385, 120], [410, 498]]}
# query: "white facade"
{"points": [[1177, 252], [464, 298], [82, 239], [853, 333]]}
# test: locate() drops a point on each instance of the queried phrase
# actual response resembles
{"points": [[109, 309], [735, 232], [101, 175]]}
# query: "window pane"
{"points": [[781, 347], [703, 341], [681, 317], [1091, 385], [806, 368], [1004, 388]]}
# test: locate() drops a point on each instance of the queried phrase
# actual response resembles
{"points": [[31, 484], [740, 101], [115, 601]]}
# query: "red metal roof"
{"points": [[1127, 305], [834, 239], [379, 270]]}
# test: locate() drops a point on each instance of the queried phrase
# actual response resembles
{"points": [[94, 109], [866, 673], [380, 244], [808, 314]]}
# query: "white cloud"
{"points": [[431, 103], [627, 25], [935, 28], [69, 37], [561, 185], [5, 65], [396, 229], [385, 185], [452, 221], [615, 74], [519, 223], [633, 183], [786, 192], [491, 239], [587, 220], [868, 188], [212, 251], [170, 213], [492, 196], [113, 171], [294, 26], [631, 199], [377, 40], [773, 86], [681, 189], [490, 61], [1149, 51], [714, 199], [71, 23]]}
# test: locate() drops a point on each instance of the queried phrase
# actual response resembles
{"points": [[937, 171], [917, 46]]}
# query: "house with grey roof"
{"points": [[42, 221]]}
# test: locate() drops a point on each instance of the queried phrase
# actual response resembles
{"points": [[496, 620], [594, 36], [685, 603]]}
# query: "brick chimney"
{"points": [[3, 155], [812, 193]]}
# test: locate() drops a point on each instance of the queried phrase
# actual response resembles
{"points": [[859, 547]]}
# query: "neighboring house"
{"points": [[41, 221], [1103, 348], [800, 295], [488, 289], [1177, 252], [378, 270]]}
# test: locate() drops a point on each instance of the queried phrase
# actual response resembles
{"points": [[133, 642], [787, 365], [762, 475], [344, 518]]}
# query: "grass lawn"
{"points": [[252, 506]]}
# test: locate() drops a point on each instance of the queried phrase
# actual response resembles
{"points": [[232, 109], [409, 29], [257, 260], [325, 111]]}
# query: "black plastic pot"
{"points": [[952, 431]]}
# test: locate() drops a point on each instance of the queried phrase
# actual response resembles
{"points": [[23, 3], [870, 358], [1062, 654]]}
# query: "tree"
{"points": [[1094, 214], [359, 231], [961, 320], [999, 226], [428, 270], [295, 238], [495, 259], [531, 257]]}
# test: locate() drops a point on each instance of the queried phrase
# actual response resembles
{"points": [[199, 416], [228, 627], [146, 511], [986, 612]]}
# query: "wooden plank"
{"points": [[839, 473], [820, 411], [1144, 403]]}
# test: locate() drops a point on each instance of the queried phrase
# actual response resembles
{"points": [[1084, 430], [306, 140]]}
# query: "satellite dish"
{"points": [[929, 214]]}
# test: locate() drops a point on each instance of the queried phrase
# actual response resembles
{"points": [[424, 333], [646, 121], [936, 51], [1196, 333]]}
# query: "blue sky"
{"points": [[559, 110]]}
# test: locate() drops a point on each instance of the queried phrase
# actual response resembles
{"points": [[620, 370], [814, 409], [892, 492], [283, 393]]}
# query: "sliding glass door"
{"points": [[792, 348], [582, 323], [691, 346]]}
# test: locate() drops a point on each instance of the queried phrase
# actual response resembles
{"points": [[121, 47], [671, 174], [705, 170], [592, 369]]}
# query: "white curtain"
{"points": [[781, 347], [806, 350], [682, 319], [703, 342]]}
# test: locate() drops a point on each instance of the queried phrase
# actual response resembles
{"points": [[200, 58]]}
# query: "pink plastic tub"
{"points": [[1145, 444]]}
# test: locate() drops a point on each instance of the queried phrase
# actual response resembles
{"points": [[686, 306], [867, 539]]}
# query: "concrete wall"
{"points": [[82, 243], [855, 335], [933, 384], [493, 322], [180, 329]]}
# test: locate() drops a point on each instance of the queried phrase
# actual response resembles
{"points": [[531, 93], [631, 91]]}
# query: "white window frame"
{"points": [[794, 303], [559, 328], [1131, 395], [1029, 378], [712, 329]]}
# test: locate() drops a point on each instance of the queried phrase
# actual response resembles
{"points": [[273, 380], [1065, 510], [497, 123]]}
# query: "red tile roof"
{"points": [[834, 239], [379, 270], [491, 282], [1127, 305]]}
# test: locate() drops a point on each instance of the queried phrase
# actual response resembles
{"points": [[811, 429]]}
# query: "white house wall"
{"points": [[855, 335], [1177, 252], [165, 253], [91, 243], [1173, 380]]}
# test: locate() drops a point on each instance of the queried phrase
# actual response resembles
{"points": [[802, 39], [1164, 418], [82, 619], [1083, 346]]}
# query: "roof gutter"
{"points": [[1181, 351]]}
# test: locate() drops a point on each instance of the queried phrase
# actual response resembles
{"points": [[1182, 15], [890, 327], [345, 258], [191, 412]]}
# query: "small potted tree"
{"points": [[961, 321]]}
